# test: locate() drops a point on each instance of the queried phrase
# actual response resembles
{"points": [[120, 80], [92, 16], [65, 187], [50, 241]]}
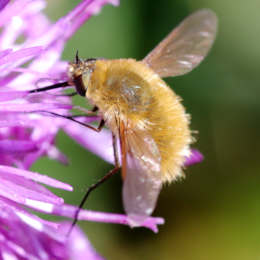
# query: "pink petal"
{"points": [[10, 95], [3, 3], [195, 157], [26, 192], [36, 177], [14, 146], [5, 52], [78, 245], [54, 153], [21, 55], [16, 107], [69, 211]]}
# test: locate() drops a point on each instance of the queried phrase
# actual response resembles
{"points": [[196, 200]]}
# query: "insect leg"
{"points": [[98, 183], [98, 129]]}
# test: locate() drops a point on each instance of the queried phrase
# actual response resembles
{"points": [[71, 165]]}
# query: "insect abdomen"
{"points": [[137, 95]]}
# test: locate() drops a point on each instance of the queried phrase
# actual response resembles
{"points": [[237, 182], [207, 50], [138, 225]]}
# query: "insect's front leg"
{"points": [[72, 118]]}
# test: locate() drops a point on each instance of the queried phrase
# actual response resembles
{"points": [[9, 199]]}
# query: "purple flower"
{"points": [[194, 157], [27, 133]]}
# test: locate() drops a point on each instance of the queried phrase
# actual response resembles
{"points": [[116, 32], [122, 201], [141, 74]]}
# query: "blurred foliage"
{"points": [[214, 213]]}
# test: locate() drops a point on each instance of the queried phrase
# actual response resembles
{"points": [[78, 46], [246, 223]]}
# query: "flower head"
{"points": [[28, 131]]}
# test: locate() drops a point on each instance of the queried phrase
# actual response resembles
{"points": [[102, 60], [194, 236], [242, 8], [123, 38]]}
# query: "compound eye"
{"points": [[79, 84]]}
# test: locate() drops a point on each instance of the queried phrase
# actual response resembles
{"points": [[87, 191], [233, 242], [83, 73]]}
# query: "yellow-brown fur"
{"points": [[131, 91]]}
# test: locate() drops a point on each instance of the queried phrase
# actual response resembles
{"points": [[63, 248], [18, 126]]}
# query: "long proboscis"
{"points": [[54, 86]]}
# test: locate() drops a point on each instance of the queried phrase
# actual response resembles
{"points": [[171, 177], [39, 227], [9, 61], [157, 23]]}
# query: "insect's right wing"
{"points": [[141, 173], [186, 46]]}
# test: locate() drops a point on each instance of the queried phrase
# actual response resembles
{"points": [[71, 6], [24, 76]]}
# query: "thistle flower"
{"points": [[26, 134]]}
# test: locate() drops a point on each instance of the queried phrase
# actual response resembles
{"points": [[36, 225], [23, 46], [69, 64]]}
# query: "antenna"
{"points": [[77, 57]]}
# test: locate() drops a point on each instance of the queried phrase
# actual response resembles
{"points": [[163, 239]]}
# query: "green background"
{"points": [[215, 212]]}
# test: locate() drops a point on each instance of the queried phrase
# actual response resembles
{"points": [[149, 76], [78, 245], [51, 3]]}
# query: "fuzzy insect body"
{"points": [[143, 113], [129, 92]]}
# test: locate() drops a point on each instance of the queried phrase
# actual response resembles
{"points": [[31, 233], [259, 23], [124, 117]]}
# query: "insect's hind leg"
{"points": [[97, 184]]}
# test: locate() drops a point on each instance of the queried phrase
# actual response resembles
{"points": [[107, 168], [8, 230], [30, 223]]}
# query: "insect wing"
{"points": [[142, 180], [186, 46]]}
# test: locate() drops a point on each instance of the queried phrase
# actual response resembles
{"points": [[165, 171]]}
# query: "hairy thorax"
{"points": [[120, 83]]}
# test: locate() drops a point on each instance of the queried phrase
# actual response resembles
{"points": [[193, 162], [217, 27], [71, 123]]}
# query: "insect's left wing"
{"points": [[186, 46], [141, 172]]}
